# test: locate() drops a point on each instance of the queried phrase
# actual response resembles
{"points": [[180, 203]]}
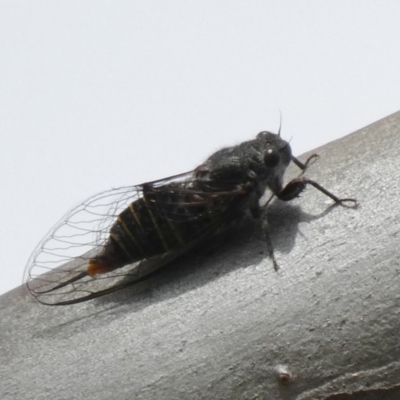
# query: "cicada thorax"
{"points": [[165, 219]]}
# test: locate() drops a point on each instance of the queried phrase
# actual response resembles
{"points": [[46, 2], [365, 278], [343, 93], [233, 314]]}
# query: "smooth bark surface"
{"points": [[220, 323]]}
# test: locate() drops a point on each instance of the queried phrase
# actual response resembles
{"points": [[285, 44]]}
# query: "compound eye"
{"points": [[271, 158]]}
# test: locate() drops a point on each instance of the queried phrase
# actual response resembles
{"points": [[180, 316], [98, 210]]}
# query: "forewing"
{"points": [[63, 254], [56, 272]]}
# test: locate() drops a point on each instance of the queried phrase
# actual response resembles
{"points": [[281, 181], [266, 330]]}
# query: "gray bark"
{"points": [[220, 323]]}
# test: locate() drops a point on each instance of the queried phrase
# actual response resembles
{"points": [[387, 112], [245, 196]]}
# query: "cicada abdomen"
{"points": [[164, 219]]}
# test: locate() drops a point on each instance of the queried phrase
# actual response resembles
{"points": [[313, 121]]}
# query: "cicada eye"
{"points": [[271, 158]]}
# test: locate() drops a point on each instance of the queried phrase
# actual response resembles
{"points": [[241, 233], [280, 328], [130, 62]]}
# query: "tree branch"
{"points": [[220, 323]]}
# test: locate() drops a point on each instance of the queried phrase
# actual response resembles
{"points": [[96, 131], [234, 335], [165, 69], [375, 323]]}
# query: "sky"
{"points": [[99, 94]]}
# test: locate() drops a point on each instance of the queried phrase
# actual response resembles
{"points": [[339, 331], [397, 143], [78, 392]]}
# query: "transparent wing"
{"points": [[57, 270]]}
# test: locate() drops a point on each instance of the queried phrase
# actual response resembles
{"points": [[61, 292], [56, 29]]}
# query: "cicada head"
{"points": [[276, 151]]}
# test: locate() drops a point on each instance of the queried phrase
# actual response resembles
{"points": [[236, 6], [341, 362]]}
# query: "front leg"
{"points": [[310, 160], [291, 190], [297, 185]]}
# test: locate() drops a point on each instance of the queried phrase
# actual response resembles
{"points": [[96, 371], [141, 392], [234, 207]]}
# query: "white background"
{"points": [[97, 94]]}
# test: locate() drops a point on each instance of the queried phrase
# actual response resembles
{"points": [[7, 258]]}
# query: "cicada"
{"points": [[100, 245]]}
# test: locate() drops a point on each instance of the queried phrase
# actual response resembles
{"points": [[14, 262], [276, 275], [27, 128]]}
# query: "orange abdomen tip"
{"points": [[96, 267]]}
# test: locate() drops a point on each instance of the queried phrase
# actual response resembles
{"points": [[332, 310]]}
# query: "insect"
{"points": [[100, 245]]}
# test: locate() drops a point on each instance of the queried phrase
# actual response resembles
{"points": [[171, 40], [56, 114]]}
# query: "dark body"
{"points": [[175, 214], [125, 226]]}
